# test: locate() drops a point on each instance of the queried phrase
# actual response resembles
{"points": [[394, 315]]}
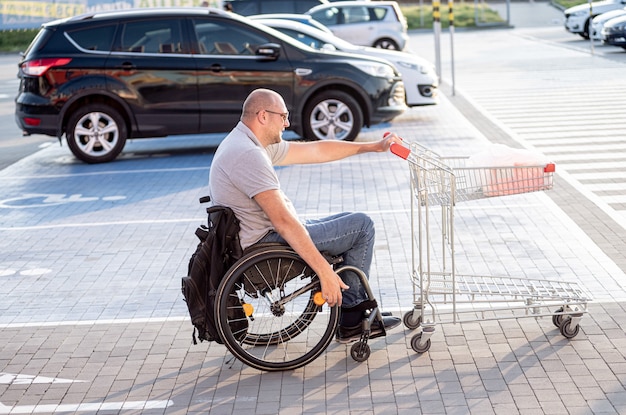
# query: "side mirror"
{"points": [[268, 50], [327, 47]]}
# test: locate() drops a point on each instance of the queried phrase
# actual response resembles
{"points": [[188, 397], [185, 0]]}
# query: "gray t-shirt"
{"points": [[241, 169]]}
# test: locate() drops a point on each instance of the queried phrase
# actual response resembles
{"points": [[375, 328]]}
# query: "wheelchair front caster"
{"points": [[360, 351]]}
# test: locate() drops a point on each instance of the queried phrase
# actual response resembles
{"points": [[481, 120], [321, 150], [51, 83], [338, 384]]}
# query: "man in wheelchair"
{"points": [[242, 177]]}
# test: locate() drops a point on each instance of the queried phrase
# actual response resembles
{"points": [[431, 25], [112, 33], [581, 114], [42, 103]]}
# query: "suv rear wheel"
{"points": [[96, 133], [332, 115]]}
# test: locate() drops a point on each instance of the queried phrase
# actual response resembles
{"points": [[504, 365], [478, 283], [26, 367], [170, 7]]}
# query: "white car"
{"points": [[419, 76], [598, 22], [578, 18], [302, 18], [380, 24]]}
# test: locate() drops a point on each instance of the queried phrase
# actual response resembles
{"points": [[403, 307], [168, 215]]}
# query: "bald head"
{"points": [[259, 100], [265, 114]]}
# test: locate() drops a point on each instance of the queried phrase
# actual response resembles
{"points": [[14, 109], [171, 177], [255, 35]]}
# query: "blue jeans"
{"points": [[347, 234]]}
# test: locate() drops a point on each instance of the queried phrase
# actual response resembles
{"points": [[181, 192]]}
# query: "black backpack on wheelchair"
{"points": [[218, 250]]}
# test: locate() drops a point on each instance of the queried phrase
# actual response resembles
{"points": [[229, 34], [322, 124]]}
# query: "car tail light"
{"points": [[38, 67], [33, 122]]}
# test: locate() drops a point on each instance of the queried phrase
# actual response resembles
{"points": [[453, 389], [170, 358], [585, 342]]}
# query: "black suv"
{"points": [[106, 77]]}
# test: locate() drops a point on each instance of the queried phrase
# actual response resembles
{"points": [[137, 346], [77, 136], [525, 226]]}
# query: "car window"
{"points": [[94, 38], [302, 37], [224, 38], [151, 36], [378, 13], [357, 14], [330, 16], [39, 41]]}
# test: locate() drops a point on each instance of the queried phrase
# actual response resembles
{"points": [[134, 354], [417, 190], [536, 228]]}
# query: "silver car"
{"points": [[380, 24]]}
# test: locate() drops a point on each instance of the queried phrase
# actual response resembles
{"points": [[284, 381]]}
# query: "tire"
{"points": [[360, 351], [557, 319], [386, 43], [567, 330], [332, 115], [96, 133], [285, 329], [409, 322], [585, 33], [415, 344]]}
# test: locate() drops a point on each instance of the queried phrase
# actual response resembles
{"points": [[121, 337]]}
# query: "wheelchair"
{"points": [[270, 313]]}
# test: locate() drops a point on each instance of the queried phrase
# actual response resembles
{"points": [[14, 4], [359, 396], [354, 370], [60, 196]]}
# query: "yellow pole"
{"points": [[437, 30]]}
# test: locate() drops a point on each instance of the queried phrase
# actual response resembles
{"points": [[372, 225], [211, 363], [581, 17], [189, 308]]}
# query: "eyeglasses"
{"points": [[283, 115]]}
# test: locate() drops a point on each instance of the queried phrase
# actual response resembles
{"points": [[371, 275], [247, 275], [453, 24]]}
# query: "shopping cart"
{"points": [[440, 295]]}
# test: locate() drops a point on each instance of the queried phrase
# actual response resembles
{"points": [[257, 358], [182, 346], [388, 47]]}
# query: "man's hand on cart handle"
{"points": [[398, 147]]}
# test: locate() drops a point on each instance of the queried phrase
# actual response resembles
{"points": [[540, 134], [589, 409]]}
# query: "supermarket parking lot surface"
{"points": [[91, 307]]}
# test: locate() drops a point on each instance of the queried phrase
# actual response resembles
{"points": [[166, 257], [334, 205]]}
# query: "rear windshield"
{"points": [[39, 41]]}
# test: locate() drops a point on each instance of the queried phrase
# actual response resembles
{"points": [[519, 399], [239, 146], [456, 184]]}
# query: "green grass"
{"points": [[464, 16], [16, 40]]}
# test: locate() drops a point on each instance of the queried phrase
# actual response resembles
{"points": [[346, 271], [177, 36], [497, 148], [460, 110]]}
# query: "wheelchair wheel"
{"points": [[266, 314]]}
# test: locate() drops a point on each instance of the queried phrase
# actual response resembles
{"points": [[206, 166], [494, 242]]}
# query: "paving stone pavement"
{"points": [[92, 319], [107, 321]]}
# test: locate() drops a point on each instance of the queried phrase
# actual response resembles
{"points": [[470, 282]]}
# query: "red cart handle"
{"points": [[399, 150]]}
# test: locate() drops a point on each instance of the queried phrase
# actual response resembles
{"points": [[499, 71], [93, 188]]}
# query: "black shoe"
{"points": [[350, 334]]}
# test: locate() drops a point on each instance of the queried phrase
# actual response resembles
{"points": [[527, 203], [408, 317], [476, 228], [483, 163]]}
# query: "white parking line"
{"points": [[19, 379], [97, 224], [94, 322], [84, 407], [200, 219], [102, 173]]}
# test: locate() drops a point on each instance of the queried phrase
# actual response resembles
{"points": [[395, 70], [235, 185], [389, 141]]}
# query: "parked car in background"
{"points": [[578, 18], [102, 78], [614, 32], [419, 75], [598, 22], [250, 7], [300, 18], [379, 24]]}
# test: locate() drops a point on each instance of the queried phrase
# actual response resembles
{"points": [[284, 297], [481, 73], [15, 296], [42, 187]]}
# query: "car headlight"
{"points": [[580, 13], [375, 69], [411, 66], [614, 29]]}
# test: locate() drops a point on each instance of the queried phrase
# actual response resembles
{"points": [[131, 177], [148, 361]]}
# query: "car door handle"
{"points": [[216, 67], [127, 66]]}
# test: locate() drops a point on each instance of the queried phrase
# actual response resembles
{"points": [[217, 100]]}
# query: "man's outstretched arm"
{"points": [[324, 151]]}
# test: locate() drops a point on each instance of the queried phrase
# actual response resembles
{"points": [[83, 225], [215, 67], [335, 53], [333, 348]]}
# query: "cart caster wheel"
{"points": [[360, 351], [415, 344], [558, 319], [410, 322], [567, 331]]}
